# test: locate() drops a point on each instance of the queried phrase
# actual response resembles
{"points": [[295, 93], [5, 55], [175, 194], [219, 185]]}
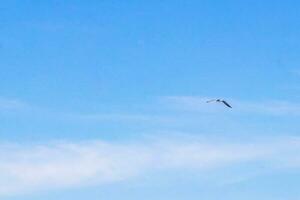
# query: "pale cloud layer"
{"points": [[30, 168], [58, 165]]}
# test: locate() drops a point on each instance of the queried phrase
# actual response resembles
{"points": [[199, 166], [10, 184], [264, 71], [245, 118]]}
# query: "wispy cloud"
{"points": [[29, 168], [44, 112], [178, 103], [127, 117], [11, 104], [271, 107], [296, 71]]}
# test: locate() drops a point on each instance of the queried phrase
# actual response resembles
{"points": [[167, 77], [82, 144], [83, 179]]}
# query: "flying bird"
{"points": [[219, 101]]}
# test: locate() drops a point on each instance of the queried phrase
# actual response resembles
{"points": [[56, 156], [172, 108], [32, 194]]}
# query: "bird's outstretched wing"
{"points": [[226, 104], [210, 100]]}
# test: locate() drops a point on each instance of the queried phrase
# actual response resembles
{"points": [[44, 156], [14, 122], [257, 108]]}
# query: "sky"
{"points": [[107, 100]]}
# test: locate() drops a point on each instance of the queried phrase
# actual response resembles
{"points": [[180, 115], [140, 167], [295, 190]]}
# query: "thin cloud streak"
{"points": [[31, 110], [198, 104], [126, 117], [11, 104], [30, 168], [188, 104]]}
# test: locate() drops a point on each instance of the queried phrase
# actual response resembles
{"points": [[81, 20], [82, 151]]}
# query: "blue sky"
{"points": [[106, 99]]}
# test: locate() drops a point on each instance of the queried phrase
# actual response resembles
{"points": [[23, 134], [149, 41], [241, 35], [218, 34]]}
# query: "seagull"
{"points": [[219, 101]]}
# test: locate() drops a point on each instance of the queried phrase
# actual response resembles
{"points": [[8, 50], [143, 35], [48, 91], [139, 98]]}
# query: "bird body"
{"points": [[220, 101]]}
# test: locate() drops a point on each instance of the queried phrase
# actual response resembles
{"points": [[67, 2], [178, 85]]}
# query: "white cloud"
{"points": [[62, 165], [37, 167]]}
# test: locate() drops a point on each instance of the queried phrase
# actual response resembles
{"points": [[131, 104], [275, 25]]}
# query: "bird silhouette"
{"points": [[219, 101]]}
